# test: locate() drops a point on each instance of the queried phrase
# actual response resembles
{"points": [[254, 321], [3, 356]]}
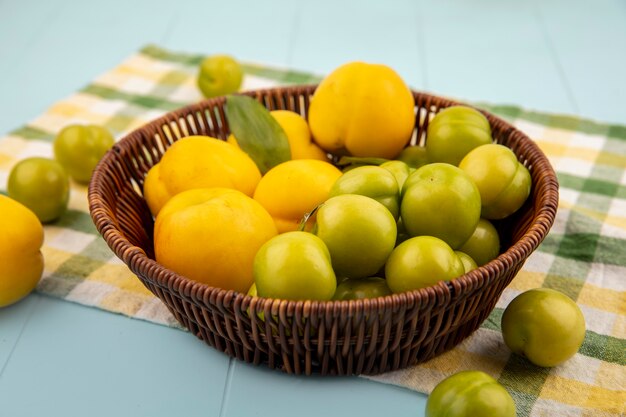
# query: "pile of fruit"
{"points": [[274, 217]]}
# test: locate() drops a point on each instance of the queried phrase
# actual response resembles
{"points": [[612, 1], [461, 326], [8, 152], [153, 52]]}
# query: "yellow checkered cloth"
{"points": [[584, 255]]}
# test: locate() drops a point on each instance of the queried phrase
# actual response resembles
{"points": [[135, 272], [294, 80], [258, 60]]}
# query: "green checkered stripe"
{"points": [[583, 255]]}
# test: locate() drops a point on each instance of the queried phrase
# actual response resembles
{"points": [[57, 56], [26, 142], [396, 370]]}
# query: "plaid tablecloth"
{"points": [[584, 255]]}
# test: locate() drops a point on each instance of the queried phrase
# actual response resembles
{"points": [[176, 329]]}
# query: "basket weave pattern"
{"points": [[303, 337]]}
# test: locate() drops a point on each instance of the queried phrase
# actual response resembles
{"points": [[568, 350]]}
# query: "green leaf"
{"points": [[307, 216], [258, 133]]}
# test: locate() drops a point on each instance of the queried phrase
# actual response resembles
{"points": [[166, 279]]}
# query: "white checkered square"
{"points": [[613, 230], [573, 166], [532, 130], [548, 408], [67, 240], [54, 122], [488, 343], [90, 292], [136, 85], [77, 197], [155, 311], [4, 178], [83, 100], [618, 208], [598, 321], [108, 107], [110, 80], [253, 82], [607, 276], [539, 262], [418, 378], [186, 93], [578, 367], [587, 141], [35, 148], [507, 296], [569, 196], [142, 64], [145, 118], [115, 261]]}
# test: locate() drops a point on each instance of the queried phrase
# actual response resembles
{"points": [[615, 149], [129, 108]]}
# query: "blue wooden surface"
{"points": [[61, 359]]}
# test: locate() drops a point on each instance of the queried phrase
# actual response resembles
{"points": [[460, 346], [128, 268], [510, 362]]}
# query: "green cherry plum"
{"points": [[484, 244], [544, 325], [504, 183], [359, 232], [370, 181], [414, 156], [470, 394], [399, 169], [468, 263], [420, 262], [79, 148], [440, 200], [358, 289], [219, 75], [42, 185], [294, 266], [455, 131]]}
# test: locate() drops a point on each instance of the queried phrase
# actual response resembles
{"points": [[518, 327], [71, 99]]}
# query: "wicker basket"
{"points": [[331, 338]]}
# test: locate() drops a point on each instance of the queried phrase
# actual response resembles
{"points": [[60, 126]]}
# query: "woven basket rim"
{"points": [[439, 293]]}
